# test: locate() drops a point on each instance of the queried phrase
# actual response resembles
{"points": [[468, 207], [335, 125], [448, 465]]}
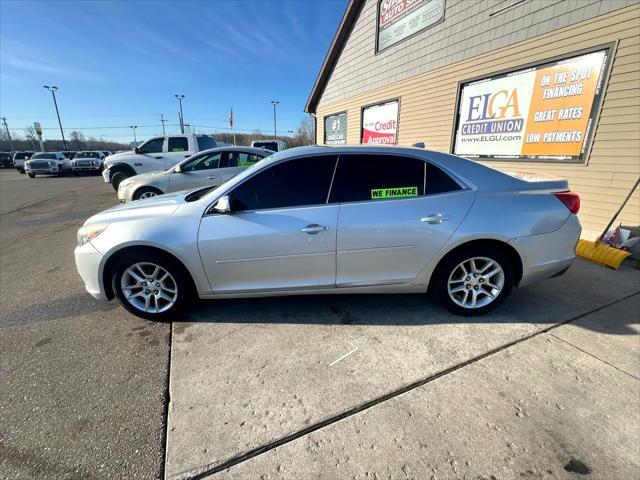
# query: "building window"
{"points": [[380, 123], [335, 129], [546, 112], [401, 19]]}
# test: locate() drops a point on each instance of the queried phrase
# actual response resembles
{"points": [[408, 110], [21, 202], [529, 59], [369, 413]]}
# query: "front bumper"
{"points": [[548, 254], [106, 175], [43, 171], [88, 264], [85, 168]]}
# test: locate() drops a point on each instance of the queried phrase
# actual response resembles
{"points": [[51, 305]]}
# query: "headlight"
{"points": [[89, 232], [50, 164], [124, 184]]}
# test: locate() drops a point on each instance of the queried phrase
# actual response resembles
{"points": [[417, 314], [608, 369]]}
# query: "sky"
{"points": [[120, 63]]}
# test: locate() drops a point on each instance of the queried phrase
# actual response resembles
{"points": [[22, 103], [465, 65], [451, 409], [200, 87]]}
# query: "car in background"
{"points": [[273, 145], [87, 161], [69, 154], [209, 168], [156, 154], [6, 159], [19, 158], [106, 153], [47, 163], [329, 220]]}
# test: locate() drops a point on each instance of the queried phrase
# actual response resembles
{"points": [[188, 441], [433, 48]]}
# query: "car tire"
{"points": [[116, 178], [32, 175], [165, 298], [473, 281], [21, 171], [146, 192]]}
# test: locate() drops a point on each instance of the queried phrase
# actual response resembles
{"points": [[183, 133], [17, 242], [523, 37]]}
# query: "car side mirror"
{"points": [[137, 150], [223, 205], [178, 169]]}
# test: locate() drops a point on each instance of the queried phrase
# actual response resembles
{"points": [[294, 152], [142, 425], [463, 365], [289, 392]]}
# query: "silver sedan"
{"points": [[209, 167], [332, 220]]}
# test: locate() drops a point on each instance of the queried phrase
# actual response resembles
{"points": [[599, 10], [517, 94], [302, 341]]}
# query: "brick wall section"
{"points": [[467, 31]]}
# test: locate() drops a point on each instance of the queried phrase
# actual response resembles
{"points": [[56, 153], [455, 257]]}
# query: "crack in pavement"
{"points": [[211, 469], [594, 356]]}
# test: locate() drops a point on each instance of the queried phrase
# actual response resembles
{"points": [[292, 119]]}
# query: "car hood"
{"points": [[159, 206], [116, 157]]}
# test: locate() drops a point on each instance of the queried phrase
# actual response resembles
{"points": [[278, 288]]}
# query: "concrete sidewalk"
{"points": [[314, 387]]}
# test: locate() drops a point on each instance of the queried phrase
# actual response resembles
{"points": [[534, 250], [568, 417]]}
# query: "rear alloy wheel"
{"points": [[474, 281], [152, 286], [146, 192]]}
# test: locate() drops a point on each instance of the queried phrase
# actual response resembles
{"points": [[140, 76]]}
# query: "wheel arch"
{"points": [[109, 264], [121, 167], [150, 187], [504, 247]]}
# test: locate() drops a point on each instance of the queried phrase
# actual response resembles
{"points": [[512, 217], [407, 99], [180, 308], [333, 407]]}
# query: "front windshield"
{"points": [[88, 155], [50, 156]]}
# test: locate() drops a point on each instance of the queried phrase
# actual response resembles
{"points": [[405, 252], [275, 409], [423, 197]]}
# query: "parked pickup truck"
{"points": [[158, 153]]}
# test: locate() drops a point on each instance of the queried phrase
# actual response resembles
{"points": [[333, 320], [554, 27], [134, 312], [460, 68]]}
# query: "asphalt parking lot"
{"points": [[359, 387]]}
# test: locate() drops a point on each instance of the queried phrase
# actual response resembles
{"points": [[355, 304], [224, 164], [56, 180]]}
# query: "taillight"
{"points": [[571, 200]]}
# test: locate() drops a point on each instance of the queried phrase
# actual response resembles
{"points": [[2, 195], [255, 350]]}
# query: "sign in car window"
{"points": [[543, 113], [380, 124], [399, 19], [335, 129]]}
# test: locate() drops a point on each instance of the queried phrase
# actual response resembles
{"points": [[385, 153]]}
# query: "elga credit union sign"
{"points": [[544, 112], [380, 124], [399, 19], [335, 129]]}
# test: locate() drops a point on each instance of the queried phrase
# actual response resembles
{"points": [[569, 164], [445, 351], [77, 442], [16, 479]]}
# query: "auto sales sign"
{"points": [[380, 124], [544, 112], [399, 19]]}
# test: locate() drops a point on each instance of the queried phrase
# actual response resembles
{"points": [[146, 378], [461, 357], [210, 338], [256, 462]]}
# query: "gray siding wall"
{"points": [[467, 31]]}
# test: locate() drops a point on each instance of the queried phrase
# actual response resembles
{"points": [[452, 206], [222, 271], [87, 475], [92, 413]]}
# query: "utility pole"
{"points": [[275, 130], [164, 134], [53, 92], [4, 121], [133, 127], [180, 98]]}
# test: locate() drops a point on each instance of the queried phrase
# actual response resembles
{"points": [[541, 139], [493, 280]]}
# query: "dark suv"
{"points": [[6, 159]]}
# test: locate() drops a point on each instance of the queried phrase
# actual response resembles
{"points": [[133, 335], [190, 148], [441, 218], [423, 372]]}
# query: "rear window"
{"points": [[384, 177], [22, 155], [178, 144], [205, 142]]}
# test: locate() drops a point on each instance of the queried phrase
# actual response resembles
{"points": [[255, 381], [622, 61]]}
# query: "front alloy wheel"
{"points": [[152, 285], [149, 287]]}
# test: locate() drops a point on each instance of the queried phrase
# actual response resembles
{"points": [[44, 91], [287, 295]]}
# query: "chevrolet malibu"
{"points": [[331, 220]]}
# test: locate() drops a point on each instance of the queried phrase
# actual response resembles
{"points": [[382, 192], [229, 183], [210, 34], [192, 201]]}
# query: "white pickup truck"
{"points": [[158, 153]]}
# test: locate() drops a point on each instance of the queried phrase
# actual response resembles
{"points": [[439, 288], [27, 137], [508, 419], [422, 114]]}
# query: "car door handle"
{"points": [[158, 158], [212, 178], [313, 228], [434, 218], [187, 156]]}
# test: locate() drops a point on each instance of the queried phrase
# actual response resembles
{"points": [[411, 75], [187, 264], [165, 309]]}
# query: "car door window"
{"points": [[152, 146], [383, 177], [239, 159], [178, 144], [302, 181], [203, 162]]}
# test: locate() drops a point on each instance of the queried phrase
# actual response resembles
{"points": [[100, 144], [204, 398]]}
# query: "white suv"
{"points": [[91, 162]]}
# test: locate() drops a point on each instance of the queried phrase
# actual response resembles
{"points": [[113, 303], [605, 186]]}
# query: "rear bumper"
{"points": [[88, 263], [548, 254]]}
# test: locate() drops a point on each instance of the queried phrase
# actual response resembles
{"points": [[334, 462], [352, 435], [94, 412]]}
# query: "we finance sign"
{"points": [[543, 112]]}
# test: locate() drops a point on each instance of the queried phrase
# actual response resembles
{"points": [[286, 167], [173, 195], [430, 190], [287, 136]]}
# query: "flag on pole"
{"points": [[231, 118]]}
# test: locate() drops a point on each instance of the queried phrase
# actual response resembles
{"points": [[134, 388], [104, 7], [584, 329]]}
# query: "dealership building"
{"points": [[550, 87]]}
